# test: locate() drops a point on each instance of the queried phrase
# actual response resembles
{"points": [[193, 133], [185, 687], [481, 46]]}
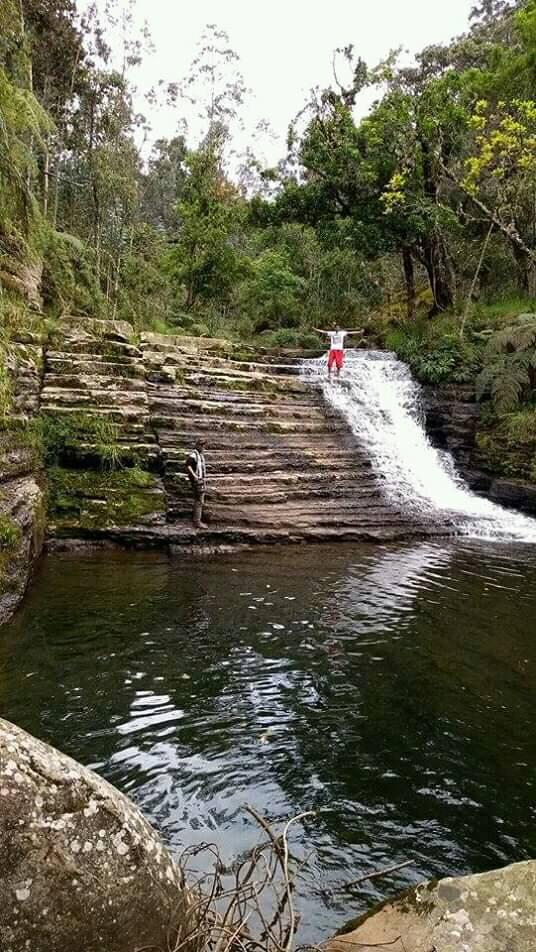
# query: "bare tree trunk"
{"points": [[409, 278], [437, 269], [46, 177], [435, 255], [469, 301], [523, 263], [56, 193]]}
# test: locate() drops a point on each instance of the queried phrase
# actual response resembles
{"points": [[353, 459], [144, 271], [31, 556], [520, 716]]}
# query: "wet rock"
{"points": [[80, 869], [22, 507], [491, 912], [514, 492], [22, 528]]}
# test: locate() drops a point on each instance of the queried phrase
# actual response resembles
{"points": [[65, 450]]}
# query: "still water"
{"points": [[389, 688]]}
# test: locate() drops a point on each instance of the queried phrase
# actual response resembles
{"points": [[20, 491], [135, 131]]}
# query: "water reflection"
{"points": [[388, 688]]}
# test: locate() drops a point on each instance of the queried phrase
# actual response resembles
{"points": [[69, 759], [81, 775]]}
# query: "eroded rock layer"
{"points": [[282, 465]]}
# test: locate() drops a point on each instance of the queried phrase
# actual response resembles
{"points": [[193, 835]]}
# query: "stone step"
{"points": [[253, 483], [161, 392], [284, 477], [293, 517], [57, 360], [202, 424], [239, 381], [212, 364], [247, 443], [182, 503], [193, 408], [94, 398], [95, 348], [97, 382], [264, 466], [131, 419]]}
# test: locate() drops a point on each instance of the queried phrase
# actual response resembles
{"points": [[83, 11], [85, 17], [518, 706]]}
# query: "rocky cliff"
{"points": [[454, 420], [22, 503]]}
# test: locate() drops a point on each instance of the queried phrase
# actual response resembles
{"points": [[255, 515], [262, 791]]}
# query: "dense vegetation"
{"points": [[418, 218]]}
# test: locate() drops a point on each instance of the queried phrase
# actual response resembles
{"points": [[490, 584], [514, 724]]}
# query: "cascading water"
{"points": [[382, 403]]}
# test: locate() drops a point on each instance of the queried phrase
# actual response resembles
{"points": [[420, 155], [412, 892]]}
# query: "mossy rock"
{"points": [[507, 444], [93, 500]]}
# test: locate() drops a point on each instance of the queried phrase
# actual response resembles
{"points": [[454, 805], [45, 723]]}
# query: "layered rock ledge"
{"points": [[283, 466]]}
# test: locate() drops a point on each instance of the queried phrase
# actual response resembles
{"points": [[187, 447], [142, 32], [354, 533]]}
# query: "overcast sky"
{"points": [[285, 46]]}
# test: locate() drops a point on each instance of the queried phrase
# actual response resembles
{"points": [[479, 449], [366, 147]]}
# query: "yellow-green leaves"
{"points": [[504, 147]]}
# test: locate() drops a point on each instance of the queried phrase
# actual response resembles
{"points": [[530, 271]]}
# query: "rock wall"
{"points": [[22, 501], [80, 868], [283, 467], [453, 418]]}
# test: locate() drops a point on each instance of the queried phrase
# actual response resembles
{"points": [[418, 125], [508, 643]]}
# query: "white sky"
{"points": [[285, 46]]}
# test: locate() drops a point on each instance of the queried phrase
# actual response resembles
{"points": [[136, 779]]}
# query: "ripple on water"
{"points": [[392, 694]]}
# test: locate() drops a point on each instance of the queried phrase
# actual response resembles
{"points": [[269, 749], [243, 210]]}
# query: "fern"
{"points": [[509, 372], [519, 336]]}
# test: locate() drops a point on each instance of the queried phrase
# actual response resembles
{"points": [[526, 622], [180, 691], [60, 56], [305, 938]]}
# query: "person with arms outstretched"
{"points": [[336, 347]]}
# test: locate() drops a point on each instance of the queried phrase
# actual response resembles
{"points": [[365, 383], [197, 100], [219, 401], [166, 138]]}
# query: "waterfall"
{"points": [[382, 404]]}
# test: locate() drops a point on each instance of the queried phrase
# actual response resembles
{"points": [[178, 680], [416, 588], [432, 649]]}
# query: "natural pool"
{"points": [[389, 688]]}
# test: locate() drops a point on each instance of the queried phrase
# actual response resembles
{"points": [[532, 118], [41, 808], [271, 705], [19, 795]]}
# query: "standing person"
{"points": [[336, 346], [196, 468]]}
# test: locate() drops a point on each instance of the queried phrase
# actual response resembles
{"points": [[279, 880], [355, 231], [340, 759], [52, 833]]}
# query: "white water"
{"points": [[382, 403]]}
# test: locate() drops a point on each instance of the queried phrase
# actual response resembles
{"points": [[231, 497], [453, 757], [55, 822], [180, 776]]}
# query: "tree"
{"points": [[273, 293], [205, 260]]}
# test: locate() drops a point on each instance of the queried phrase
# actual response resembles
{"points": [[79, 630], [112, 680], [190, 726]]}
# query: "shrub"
{"points": [[435, 357]]}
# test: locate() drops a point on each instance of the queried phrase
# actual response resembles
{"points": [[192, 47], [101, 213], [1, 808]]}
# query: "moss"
{"points": [[62, 434], [97, 500], [507, 444]]}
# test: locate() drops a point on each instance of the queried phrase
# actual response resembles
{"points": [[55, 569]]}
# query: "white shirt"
{"points": [[336, 340]]}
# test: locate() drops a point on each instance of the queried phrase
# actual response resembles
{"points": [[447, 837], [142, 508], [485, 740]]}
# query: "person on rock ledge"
{"points": [[336, 346], [196, 469]]}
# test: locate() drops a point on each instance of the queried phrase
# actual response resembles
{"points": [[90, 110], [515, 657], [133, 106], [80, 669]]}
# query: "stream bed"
{"points": [[391, 689]]}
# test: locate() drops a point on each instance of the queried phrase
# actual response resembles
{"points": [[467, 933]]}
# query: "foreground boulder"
{"points": [[79, 866], [492, 912]]}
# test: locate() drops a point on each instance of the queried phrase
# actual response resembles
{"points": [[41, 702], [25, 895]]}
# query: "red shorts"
{"points": [[335, 357]]}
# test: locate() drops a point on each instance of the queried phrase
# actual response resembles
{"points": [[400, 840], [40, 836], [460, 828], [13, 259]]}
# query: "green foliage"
{"points": [[69, 282], [292, 338], [204, 262], [509, 373], [10, 533], [273, 293], [63, 434], [435, 355]]}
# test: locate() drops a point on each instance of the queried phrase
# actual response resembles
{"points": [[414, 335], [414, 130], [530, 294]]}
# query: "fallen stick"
{"points": [[375, 874]]}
